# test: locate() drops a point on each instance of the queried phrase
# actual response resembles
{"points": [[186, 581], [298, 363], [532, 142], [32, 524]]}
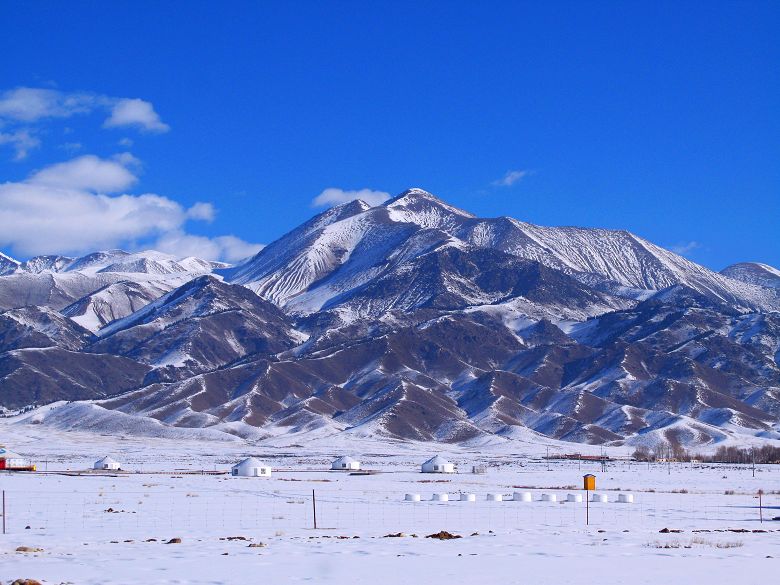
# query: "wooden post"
{"points": [[587, 509], [3, 511], [314, 508], [760, 507]]}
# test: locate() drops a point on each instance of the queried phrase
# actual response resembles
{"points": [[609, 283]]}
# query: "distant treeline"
{"points": [[8, 413], [764, 454]]}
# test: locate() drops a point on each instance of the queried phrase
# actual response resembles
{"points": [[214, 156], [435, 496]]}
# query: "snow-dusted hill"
{"points": [[411, 319]]}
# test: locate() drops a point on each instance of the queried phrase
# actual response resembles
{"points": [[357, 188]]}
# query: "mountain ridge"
{"points": [[413, 320]]}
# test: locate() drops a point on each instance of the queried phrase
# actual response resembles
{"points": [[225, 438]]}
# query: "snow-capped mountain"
{"points": [[411, 319], [345, 248], [88, 281], [40, 264], [754, 273]]}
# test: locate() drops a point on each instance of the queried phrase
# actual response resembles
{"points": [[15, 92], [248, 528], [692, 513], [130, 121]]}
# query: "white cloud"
{"points": [[135, 112], [227, 248], [23, 109], [65, 209], [29, 104], [685, 248], [125, 142], [335, 196], [202, 211], [22, 141], [44, 219], [88, 173], [511, 177]]}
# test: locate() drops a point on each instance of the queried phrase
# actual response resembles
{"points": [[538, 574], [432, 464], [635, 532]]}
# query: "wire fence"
{"points": [[133, 512]]}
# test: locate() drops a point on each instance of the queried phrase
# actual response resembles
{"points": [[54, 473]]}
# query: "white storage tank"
{"points": [[600, 498], [574, 498], [626, 498], [549, 498], [440, 498], [495, 497], [412, 497], [468, 497], [521, 496]]}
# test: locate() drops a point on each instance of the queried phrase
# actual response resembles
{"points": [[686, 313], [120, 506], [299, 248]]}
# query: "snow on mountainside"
{"points": [[58, 282], [7, 264], [754, 273], [409, 320], [616, 255], [40, 264], [115, 301], [40, 327], [201, 325], [346, 247]]}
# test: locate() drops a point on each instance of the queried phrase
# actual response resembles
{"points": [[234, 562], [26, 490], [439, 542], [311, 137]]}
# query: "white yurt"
{"points": [[251, 467], [438, 464], [345, 463], [107, 463], [11, 460]]}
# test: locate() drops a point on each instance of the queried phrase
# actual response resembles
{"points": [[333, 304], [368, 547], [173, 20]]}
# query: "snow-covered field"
{"points": [[97, 528]]}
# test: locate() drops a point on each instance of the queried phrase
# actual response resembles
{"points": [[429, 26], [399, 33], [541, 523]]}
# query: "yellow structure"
{"points": [[589, 481]]}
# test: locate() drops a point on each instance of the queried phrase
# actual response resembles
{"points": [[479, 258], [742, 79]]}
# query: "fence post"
{"points": [[314, 508], [3, 511], [587, 509]]}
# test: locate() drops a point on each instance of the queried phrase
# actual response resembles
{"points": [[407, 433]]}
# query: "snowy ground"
{"points": [[503, 542]]}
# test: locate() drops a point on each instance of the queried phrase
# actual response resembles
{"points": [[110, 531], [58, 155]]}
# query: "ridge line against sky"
{"points": [[665, 123]]}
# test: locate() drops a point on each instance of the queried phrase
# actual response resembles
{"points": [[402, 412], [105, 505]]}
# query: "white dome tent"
{"points": [[437, 464], [13, 461], [107, 464], [250, 467], [345, 463]]}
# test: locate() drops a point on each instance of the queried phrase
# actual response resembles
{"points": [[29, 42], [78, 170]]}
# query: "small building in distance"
{"points": [[107, 464], [345, 463], [437, 464], [250, 467], [13, 461]]}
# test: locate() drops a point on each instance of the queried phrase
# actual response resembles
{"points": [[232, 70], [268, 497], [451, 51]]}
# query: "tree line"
{"points": [[723, 454]]}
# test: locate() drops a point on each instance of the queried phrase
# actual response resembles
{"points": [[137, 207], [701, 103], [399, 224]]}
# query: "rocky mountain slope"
{"points": [[413, 320]]}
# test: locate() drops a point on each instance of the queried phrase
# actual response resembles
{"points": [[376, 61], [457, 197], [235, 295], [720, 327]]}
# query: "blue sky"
{"points": [[657, 117]]}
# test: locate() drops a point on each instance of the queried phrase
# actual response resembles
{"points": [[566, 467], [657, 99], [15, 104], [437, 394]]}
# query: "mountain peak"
{"points": [[754, 273], [416, 199]]}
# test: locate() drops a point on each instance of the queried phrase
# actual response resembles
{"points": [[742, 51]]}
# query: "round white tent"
{"points": [[107, 463], [437, 464], [11, 460], [345, 463], [251, 467]]}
